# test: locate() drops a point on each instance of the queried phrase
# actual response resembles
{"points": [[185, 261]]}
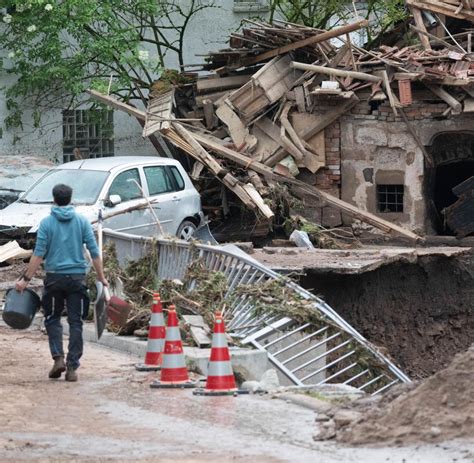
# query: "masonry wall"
{"points": [[377, 148]]}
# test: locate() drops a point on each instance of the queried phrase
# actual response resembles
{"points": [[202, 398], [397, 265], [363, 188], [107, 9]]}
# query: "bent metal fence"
{"points": [[325, 350]]}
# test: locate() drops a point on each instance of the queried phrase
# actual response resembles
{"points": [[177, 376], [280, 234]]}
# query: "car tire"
{"points": [[186, 230]]}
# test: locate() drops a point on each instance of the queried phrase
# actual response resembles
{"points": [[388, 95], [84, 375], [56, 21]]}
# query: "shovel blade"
{"points": [[118, 311]]}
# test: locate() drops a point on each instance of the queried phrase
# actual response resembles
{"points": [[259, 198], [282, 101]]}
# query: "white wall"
{"points": [[208, 30]]}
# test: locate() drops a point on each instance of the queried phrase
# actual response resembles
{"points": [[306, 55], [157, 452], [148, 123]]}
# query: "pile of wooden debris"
{"points": [[256, 119]]}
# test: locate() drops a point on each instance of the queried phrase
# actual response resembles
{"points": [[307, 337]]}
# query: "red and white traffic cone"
{"points": [[220, 376], [156, 338], [174, 373]]}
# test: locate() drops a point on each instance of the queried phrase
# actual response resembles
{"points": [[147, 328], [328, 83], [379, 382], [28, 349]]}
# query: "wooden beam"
{"points": [[328, 118], [216, 84], [446, 97], [433, 37], [114, 103], [421, 29], [335, 72], [442, 8], [317, 38]]}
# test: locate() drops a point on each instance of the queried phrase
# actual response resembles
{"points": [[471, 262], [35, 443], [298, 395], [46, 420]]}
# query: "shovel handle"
{"points": [[106, 293]]}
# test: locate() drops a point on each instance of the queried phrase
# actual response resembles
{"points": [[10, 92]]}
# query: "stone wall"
{"points": [[377, 148]]}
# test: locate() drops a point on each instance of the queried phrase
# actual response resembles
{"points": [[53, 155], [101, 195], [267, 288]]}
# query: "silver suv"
{"points": [[112, 185]]}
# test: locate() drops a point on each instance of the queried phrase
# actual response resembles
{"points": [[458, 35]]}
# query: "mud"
{"points": [[111, 414], [420, 314], [440, 408]]}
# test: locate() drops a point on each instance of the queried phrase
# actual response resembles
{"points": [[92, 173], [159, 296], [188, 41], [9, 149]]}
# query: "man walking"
{"points": [[60, 244]]}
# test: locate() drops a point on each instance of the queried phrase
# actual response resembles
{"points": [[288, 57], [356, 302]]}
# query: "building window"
{"points": [[87, 133], [245, 6], [390, 198]]}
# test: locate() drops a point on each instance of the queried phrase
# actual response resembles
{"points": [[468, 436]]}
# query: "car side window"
{"points": [[158, 180], [177, 176], [125, 186]]}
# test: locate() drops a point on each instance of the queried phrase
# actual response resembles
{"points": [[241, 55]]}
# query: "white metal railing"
{"points": [[306, 354]]}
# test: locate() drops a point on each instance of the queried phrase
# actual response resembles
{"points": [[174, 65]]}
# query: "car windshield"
{"points": [[85, 184]]}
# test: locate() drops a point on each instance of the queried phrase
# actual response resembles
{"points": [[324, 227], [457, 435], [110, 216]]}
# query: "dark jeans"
{"points": [[61, 290]]}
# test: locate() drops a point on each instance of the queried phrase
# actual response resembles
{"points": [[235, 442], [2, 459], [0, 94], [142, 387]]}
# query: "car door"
{"points": [[127, 185], [161, 190]]}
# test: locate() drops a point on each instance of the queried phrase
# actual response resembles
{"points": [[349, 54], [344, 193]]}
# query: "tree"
{"points": [[324, 14], [58, 48]]}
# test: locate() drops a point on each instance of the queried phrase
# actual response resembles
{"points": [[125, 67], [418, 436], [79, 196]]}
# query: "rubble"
{"points": [[438, 409]]}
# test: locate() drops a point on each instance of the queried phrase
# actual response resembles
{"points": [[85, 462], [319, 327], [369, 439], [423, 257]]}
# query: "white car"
{"points": [[113, 184]]}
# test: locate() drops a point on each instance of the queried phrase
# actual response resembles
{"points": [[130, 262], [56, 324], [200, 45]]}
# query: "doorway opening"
{"points": [[453, 156]]}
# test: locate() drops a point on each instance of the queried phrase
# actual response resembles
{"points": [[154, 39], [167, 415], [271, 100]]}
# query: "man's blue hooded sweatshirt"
{"points": [[60, 241]]}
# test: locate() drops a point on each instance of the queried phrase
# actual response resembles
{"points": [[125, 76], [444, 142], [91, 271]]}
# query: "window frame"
{"points": [[397, 202], [167, 173], [90, 130]]}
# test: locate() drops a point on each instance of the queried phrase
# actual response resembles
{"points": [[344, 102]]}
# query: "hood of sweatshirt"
{"points": [[63, 213]]}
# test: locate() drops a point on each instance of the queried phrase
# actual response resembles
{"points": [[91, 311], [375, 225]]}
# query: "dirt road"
{"points": [[112, 415]]}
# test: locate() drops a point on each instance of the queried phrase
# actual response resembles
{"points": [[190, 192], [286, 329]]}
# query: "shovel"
{"points": [[117, 309]]}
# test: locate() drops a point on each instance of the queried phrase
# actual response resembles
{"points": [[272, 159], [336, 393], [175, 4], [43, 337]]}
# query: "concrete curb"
{"points": [[248, 363]]}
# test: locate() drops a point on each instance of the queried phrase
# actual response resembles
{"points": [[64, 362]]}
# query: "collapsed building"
{"points": [[388, 130]]}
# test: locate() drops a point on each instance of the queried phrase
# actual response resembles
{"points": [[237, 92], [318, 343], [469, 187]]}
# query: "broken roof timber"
{"points": [[443, 8], [240, 159]]}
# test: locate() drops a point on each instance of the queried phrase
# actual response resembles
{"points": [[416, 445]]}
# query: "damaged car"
{"points": [[114, 185]]}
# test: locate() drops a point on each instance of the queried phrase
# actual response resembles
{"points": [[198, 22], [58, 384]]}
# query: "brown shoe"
{"points": [[58, 368], [71, 375]]}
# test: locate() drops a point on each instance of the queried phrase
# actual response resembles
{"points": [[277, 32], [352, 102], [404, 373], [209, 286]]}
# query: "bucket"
{"points": [[20, 308]]}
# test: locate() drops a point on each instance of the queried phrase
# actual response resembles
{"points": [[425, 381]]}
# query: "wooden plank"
{"points": [[442, 8], [114, 103], [217, 84], [237, 130], [318, 38], [209, 113], [159, 112], [317, 142], [266, 146], [267, 86], [335, 71], [255, 195], [446, 97], [328, 118], [201, 153], [12, 250], [198, 329], [420, 28], [425, 33]]}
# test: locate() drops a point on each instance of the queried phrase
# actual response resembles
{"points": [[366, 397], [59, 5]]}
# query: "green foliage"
{"points": [[326, 14], [58, 48]]}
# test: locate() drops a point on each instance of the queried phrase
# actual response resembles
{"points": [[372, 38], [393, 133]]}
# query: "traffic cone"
{"points": [[156, 338], [174, 373], [220, 376]]}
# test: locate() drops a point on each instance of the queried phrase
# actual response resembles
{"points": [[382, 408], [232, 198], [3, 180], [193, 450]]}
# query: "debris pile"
{"points": [[439, 409], [263, 113]]}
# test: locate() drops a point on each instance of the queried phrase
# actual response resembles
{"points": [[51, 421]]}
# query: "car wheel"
{"points": [[186, 230]]}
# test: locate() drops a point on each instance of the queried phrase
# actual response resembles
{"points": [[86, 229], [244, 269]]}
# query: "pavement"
{"points": [[111, 414]]}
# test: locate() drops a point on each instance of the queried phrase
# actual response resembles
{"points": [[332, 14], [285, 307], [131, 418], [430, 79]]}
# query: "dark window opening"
{"points": [[87, 134], [447, 177], [390, 198]]}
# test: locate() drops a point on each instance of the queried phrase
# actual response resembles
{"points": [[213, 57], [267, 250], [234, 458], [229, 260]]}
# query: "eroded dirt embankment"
{"points": [[421, 313]]}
